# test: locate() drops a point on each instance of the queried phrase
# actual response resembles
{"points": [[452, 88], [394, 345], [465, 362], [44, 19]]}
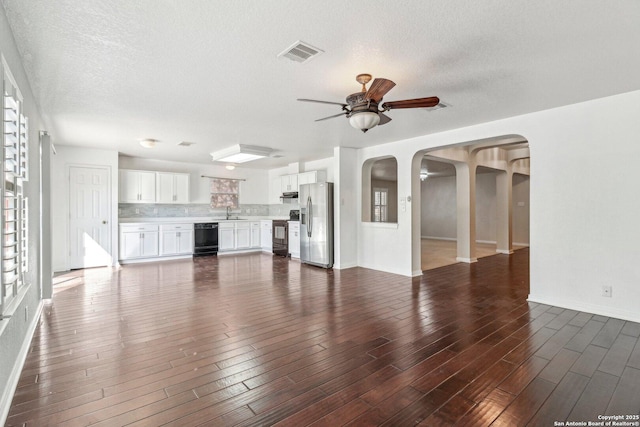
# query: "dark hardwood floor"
{"points": [[261, 340]]}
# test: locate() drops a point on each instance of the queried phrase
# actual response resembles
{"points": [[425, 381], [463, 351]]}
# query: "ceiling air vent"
{"points": [[300, 52], [186, 143]]}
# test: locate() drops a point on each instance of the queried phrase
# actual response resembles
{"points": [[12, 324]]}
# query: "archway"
{"points": [[495, 160]]}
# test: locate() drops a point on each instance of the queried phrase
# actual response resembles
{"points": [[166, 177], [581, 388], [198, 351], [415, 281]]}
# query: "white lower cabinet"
{"points": [[226, 236], [243, 235], [255, 234], [176, 239], [138, 241], [266, 239], [238, 235], [294, 239]]}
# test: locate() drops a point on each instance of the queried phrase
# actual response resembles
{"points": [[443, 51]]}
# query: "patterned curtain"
{"points": [[224, 193]]}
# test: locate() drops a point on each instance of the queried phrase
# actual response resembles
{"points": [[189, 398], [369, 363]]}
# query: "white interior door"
{"points": [[89, 208]]}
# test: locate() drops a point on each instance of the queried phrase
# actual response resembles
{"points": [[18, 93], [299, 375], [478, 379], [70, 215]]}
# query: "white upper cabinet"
{"points": [[311, 177], [172, 187], [153, 187], [292, 183], [289, 183], [137, 186]]}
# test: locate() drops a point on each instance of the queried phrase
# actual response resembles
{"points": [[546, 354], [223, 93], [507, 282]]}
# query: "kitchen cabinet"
{"points": [[172, 187], [137, 186], [294, 239], [255, 234], [266, 239], [238, 235], [243, 235], [292, 183], [138, 241], [176, 239], [289, 183], [226, 236], [311, 177]]}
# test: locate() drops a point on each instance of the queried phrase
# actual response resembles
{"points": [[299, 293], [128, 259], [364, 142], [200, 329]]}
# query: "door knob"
{"points": [[104, 222]]}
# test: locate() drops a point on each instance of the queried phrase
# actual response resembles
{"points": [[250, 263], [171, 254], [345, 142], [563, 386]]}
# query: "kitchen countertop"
{"points": [[182, 220]]}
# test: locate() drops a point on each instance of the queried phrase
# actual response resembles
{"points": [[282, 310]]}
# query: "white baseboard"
{"points": [[504, 251], [10, 388], [467, 260], [448, 239], [345, 265], [453, 239], [488, 242]]}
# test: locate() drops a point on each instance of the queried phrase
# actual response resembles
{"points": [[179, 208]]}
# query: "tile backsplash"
{"points": [[143, 210]]}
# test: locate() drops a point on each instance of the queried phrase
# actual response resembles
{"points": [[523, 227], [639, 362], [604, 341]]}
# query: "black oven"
{"points": [[205, 238], [280, 237]]}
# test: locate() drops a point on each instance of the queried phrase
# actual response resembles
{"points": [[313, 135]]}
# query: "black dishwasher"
{"points": [[205, 238]]}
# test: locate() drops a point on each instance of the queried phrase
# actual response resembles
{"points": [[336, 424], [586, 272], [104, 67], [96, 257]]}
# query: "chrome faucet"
{"points": [[228, 212]]}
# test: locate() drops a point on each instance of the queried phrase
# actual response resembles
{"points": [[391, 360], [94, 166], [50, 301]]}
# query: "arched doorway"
{"points": [[466, 206]]}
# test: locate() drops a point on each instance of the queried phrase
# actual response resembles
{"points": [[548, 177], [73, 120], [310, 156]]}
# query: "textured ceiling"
{"points": [[107, 73]]}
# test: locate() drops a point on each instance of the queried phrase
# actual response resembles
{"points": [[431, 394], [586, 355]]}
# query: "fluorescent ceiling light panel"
{"points": [[240, 153]]}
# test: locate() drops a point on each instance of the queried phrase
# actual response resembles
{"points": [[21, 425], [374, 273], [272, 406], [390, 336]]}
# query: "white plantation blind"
{"points": [[380, 205], [14, 238]]}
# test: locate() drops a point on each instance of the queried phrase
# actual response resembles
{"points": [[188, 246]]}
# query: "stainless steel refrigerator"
{"points": [[316, 224]]}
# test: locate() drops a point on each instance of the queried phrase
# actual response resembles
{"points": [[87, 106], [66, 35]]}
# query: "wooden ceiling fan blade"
{"points": [[331, 117], [322, 102], [378, 89], [412, 103], [384, 119]]}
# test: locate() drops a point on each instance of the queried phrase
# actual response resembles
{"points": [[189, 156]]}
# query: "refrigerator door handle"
{"points": [[309, 216]]}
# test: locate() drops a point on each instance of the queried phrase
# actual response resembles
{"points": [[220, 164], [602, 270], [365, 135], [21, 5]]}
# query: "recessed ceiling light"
{"points": [[240, 153]]}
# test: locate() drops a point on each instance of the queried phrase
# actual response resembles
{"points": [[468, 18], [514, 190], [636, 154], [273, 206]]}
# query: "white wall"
{"points": [[16, 332], [438, 212], [345, 208], [584, 230], [252, 191], [65, 157]]}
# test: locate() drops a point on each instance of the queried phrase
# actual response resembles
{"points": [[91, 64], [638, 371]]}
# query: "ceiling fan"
{"points": [[362, 107]]}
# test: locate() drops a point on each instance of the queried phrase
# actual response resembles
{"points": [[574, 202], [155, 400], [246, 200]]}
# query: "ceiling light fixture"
{"points": [[148, 143], [364, 120], [424, 174], [230, 167], [240, 153]]}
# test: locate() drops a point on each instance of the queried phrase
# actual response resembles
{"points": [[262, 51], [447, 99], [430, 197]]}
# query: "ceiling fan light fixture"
{"points": [[364, 120], [240, 153], [148, 143]]}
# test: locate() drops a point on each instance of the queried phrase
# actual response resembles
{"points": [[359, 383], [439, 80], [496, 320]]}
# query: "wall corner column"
{"points": [[504, 226], [466, 210]]}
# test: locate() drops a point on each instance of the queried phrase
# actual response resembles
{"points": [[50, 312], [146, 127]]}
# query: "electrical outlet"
{"points": [[606, 291], [137, 210], [155, 210]]}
